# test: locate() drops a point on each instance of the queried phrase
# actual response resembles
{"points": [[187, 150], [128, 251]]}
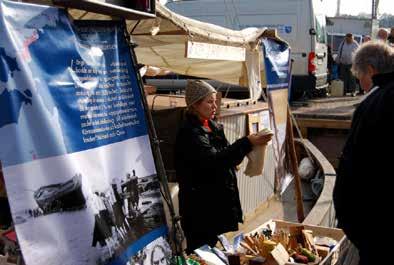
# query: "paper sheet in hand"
{"points": [[256, 157]]}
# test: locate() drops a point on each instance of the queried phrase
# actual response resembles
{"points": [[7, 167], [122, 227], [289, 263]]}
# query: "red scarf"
{"points": [[205, 124]]}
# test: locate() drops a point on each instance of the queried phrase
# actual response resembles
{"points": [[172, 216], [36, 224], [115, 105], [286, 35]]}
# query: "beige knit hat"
{"points": [[196, 90]]}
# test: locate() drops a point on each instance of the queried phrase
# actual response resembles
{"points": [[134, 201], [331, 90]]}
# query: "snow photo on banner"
{"points": [[74, 144], [277, 71]]}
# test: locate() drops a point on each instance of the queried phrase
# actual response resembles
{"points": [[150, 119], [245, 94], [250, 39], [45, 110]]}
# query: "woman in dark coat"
{"points": [[205, 164]]}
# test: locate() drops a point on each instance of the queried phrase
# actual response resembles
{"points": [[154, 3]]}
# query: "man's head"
{"points": [[349, 38], [366, 38], [382, 34], [158, 256], [372, 58], [392, 31]]}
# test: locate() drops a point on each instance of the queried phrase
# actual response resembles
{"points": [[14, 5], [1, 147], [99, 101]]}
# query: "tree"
{"points": [[386, 21]]}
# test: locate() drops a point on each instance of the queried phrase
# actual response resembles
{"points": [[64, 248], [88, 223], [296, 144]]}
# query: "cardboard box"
{"points": [[334, 233]]}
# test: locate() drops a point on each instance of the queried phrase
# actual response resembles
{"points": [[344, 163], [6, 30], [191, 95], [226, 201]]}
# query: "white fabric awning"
{"points": [[225, 55], [163, 42]]}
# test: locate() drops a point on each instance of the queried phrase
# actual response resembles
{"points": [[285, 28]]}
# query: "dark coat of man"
{"points": [[364, 178], [390, 39], [205, 163]]}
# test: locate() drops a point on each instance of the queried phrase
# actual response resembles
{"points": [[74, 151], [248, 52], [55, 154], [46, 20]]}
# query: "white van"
{"points": [[301, 23]]}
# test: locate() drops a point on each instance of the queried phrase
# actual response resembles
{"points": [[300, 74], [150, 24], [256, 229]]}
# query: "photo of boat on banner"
{"points": [[129, 208], [131, 201], [67, 196]]}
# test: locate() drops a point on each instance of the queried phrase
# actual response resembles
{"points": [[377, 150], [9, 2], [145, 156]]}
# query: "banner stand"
{"points": [[82, 184], [155, 143]]}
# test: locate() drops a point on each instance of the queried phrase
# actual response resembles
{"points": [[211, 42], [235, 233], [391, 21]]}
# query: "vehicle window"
{"points": [[336, 42], [329, 40], [321, 29]]}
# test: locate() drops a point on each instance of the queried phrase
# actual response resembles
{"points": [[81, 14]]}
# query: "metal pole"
{"points": [[338, 8], [373, 13]]}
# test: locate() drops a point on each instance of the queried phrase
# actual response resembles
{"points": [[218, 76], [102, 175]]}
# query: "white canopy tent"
{"points": [[190, 47]]}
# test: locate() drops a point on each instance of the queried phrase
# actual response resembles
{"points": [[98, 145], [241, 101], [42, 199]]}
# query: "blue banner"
{"points": [[278, 76], [277, 64], [77, 77], [74, 143]]}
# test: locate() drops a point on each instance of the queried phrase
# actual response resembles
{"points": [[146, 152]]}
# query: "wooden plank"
{"points": [[304, 131], [333, 233], [228, 107], [294, 166], [102, 7], [246, 109], [254, 125], [323, 123], [279, 101], [323, 207], [160, 102]]}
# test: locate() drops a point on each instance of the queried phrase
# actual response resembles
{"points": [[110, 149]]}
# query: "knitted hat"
{"points": [[196, 90]]}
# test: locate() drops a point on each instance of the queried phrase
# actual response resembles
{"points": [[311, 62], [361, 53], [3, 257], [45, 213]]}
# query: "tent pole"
{"points": [[294, 166], [155, 143]]}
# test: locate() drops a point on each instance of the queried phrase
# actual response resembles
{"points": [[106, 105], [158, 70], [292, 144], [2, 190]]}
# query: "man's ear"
{"points": [[371, 70]]}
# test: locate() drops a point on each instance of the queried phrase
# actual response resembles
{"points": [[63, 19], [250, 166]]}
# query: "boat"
{"points": [[326, 123], [66, 196]]}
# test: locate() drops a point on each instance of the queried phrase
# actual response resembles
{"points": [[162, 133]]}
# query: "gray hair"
{"points": [[378, 55]]}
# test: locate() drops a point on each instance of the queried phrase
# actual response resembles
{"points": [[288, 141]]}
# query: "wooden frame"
{"points": [[334, 233], [121, 8], [305, 123], [254, 123]]}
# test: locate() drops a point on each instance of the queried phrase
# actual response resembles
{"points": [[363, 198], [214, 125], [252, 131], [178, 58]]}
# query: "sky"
{"points": [[354, 7]]}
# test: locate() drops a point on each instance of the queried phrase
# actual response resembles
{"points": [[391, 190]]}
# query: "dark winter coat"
{"points": [[364, 177], [209, 202], [390, 39]]}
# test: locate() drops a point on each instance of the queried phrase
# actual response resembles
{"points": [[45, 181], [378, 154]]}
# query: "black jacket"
{"points": [[205, 162], [364, 178], [390, 39]]}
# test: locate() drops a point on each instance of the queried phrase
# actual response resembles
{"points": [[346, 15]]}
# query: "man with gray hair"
{"points": [[365, 168]]}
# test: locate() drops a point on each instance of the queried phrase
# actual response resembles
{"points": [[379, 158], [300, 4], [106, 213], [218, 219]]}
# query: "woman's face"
{"points": [[206, 108]]}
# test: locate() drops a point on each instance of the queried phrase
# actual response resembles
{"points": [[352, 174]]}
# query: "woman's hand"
{"points": [[259, 139]]}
